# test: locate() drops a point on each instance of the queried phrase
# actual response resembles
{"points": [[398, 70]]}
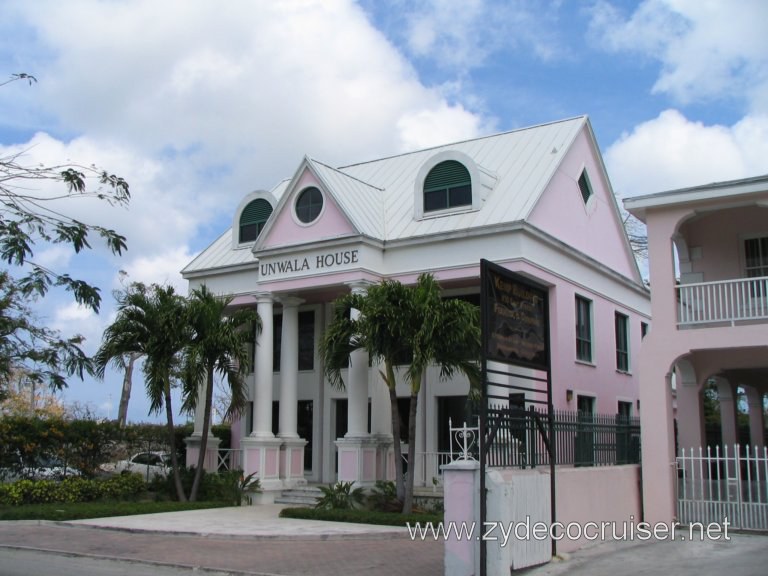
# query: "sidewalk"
{"points": [[252, 540], [245, 522], [249, 540]]}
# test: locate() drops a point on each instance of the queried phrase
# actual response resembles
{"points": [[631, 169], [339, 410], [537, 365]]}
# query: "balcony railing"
{"points": [[727, 301]]}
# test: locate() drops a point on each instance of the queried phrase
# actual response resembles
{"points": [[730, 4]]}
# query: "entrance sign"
{"points": [[517, 314], [515, 373]]}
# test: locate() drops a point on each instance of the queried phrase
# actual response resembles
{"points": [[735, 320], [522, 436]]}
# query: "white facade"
{"points": [[536, 201]]}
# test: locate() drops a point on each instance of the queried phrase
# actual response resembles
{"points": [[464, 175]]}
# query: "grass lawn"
{"points": [[82, 510]]}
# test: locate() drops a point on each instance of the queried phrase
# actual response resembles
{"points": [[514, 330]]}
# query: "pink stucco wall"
{"points": [[602, 494], [665, 344], [600, 378], [561, 212], [719, 235], [272, 462], [348, 464], [330, 224]]}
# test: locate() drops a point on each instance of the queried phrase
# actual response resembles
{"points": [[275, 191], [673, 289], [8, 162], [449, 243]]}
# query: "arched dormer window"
{"points": [[252, 219], [448, 185]]}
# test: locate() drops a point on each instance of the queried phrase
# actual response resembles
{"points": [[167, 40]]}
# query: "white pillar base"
{"points": [[358, 460], [292, 462], [261, 456], [211, 462]]}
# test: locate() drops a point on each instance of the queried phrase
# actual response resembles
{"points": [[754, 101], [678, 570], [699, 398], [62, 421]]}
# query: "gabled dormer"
{"points": [[450, 182], [322, 203]]}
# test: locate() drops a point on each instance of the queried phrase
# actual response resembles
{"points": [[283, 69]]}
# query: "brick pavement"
{"points": [[374, 556]]}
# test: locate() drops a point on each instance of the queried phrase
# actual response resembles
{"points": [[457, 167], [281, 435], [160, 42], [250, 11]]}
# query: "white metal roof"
{"points": [[222, 253], [378, 196], [523, 162]]}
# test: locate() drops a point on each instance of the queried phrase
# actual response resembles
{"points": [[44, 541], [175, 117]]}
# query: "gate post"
{"points": [[461, 492]]}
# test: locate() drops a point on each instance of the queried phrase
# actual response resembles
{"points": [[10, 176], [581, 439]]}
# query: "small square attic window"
{"points": [[585, 186]]}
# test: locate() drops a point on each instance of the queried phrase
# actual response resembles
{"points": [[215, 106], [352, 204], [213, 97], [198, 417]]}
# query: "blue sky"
{"points": [[197, 103]]}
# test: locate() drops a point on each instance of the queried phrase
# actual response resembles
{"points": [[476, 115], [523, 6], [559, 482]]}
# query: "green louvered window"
{"points": [[448, 185], [253, 219]]}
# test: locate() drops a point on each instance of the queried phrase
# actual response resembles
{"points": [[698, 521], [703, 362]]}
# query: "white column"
{"points": [[289, 367], [357, 387], [262, 417]]}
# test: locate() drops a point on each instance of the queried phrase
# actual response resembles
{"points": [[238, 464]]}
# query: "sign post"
{"points": [[516, 352]]}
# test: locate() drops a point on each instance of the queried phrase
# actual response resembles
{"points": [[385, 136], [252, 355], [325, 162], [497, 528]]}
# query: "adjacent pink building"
{"points": [[535, 200], [708, 258]]}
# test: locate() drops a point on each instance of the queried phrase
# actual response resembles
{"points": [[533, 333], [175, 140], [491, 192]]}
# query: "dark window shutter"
{"points": [[447, 185], [252, 219]]}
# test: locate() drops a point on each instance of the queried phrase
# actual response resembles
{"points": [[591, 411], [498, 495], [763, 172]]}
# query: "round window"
{"points": [[309, 204]]}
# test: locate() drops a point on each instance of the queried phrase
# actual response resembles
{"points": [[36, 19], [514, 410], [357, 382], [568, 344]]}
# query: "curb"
{"points": [[309, 537], [194, 568]]}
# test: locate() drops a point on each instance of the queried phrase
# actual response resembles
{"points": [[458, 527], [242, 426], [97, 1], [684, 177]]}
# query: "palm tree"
{"points": [[401, 325], [151, 321], [219, 344], [126, 363]]}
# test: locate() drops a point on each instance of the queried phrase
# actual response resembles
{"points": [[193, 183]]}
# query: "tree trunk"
{"points": [[125, 395], [396, 443], [172, 441], [408, 503], [208, 402]]}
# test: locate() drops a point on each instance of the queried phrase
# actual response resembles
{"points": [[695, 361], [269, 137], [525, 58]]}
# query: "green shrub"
{"points": [[71, 490], [123, 486], [383, 497], [360, 516], [227, 486], [340, 496]]}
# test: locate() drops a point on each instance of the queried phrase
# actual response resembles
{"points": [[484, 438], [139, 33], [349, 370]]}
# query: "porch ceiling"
{"points": [[755, 377], [749, 362]]}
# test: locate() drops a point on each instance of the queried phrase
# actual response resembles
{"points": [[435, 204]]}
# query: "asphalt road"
{"points": [[369, 556], [29, 562], [28, 549]]}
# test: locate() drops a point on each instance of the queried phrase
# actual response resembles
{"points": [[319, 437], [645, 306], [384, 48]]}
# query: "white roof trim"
{"points": [[637, 205]]}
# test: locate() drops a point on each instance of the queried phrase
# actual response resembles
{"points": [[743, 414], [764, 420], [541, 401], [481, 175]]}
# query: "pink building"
{"points": [[708, 256], [534, 200]]}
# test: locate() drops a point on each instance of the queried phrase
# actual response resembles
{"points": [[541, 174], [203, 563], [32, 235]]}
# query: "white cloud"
{"points": [[707, 49], [162, 268], [195, 105], [70, 319], [464, 34], [56, 256], [430, 126], [671, 152]]}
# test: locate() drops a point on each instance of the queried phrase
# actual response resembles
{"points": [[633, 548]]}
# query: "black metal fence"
{"points": [[516, 438]]}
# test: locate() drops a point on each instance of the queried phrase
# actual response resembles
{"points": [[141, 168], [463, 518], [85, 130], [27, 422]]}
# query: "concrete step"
{"points": [[299, 496]]}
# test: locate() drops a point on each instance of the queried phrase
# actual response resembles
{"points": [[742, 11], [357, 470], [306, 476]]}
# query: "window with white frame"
{"points": [[448, 185], [253, 218], [624, 411], [622, 342], [756, 257], [583, 329]]}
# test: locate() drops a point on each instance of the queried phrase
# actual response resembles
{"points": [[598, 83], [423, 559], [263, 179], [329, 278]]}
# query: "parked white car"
{"points": [[149, 464], [47, 468]]}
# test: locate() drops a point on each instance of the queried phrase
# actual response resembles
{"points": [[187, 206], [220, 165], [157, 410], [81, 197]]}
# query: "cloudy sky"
{"points": [[196, 103]]}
